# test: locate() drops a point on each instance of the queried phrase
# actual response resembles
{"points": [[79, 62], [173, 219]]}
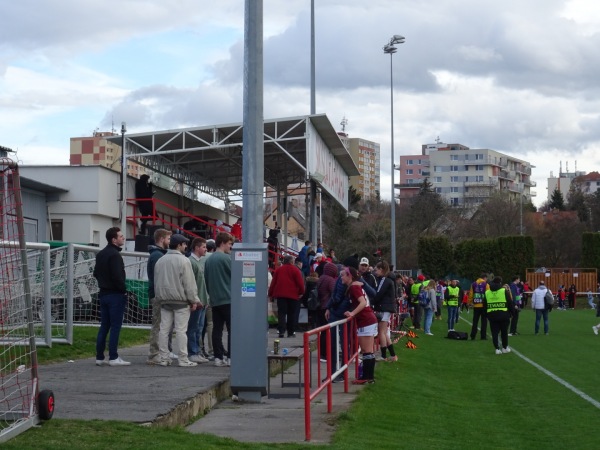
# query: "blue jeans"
{"points": [[538, 315], [194, 331], [112, 309], [428, 318], [452, 316]]}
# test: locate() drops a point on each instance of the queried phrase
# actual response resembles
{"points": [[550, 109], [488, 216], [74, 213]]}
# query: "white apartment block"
{"points": [[463, 176]]}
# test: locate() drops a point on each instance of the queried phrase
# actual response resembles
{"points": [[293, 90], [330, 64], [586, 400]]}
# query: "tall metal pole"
{"points": [[393, 202], [313, 100], [389, 48], [123, 181], [312, 188], [253, 147]]}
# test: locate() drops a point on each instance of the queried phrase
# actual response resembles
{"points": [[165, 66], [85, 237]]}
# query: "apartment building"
{"points": [[365, 155], [464, 176], [97, 150]]}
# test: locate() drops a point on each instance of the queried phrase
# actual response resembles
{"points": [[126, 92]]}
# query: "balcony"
{"points": [[489, 182]]}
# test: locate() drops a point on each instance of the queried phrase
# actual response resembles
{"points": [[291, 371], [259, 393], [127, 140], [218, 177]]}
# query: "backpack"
{"points": [[313, 303], [423, 297], [548, 299], [457, 335]]}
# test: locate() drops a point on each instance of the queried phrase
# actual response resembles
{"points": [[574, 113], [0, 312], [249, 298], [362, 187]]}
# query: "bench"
{"points": [[296, 355]]}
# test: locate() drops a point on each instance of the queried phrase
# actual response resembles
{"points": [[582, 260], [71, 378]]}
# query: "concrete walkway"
{"points": [[176, 395]]}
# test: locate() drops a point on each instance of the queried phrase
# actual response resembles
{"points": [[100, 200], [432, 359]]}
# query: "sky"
{"points": [[513, 76]]}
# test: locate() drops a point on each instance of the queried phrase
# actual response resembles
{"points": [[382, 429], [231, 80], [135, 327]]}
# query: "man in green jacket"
{"points": [[217, 274]]}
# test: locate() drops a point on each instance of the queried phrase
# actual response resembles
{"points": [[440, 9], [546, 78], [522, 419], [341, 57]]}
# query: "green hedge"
{"points": [[506, 256]]}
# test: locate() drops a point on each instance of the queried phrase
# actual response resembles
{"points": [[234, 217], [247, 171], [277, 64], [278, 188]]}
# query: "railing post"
{"points": [[47, 298], [70, 284]]}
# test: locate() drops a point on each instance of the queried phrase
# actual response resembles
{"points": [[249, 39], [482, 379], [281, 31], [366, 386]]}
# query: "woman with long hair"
{"points": [[385, 304], [366, 322]]}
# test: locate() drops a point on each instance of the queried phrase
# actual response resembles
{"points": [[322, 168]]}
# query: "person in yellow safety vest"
{"points": [[499, 307], [476, 298], [417, 309], [452, 296]]}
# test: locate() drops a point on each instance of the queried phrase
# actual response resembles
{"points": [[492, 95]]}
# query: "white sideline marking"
{"points": [[569, 386]]}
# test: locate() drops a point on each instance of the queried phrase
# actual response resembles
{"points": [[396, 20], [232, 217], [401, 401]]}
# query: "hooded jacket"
{"points": [[326, 283], [537, 298], [155, 253]]}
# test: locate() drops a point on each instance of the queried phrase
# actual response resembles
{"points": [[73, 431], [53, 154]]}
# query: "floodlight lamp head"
{"points": [[397, 39], [389, 49]]}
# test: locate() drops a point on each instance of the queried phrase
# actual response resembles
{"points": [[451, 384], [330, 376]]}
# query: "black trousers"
{"points": [[286, 315], [477, 314], [514, 321], [499, 327], [221, 318]]}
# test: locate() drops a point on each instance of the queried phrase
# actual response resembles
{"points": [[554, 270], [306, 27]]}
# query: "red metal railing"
{"points": [[349, 356]]}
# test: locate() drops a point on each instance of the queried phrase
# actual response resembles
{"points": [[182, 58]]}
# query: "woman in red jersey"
{"points": [[366, 322]]}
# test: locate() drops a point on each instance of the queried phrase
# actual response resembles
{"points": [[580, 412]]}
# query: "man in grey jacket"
{"points": [[177, 294]]}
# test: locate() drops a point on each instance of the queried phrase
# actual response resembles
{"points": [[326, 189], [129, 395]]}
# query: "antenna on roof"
{"points": [[112, 125], [343, 123], [437, 140]]}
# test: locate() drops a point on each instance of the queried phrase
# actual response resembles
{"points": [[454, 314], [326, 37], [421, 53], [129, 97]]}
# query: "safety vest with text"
{"points": [[453, 295], [496, 300], [479, 290]]}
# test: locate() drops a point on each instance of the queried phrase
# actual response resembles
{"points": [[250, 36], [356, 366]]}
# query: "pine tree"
{"points": [[557, 201]]}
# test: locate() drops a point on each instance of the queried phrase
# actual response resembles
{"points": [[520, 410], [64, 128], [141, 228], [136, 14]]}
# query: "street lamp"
{"points": [[390, 49]]}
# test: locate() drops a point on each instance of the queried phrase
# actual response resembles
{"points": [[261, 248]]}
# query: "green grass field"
{"points": [[443, 395]]}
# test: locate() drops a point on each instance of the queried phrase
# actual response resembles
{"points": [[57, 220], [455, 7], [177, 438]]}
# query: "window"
{"points": [[437, 180], [454, 201], [437, 169], [409, 171], [420, 171], [479, 156], [56, 225], [453, 179], [409, 162], [453, 157], [438, 190], [479, 178], [478, 167], [454, 189], [409, 181], [453, 168]]}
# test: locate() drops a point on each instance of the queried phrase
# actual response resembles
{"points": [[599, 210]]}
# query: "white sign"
{"points": [[248, 256], [249, 269]]}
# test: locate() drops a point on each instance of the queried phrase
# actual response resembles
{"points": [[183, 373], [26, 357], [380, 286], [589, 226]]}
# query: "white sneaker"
{"points": [[227, 361], [187, 364], [173, 356], [198, 359], [429, 334], [220, 363], [118, 362], [506, 350], [594, 329], [102, 362], [498, 351]]}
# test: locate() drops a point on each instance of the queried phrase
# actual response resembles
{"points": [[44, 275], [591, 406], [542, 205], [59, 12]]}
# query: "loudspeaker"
{"points": [[141, 243]]}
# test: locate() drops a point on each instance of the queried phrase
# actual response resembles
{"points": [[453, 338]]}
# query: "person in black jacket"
{"points": [[385, 304], [499, 308], [144, 191], [110, 273]]}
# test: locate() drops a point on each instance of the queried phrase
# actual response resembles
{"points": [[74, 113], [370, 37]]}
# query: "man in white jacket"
{"points": [[539, 305]]}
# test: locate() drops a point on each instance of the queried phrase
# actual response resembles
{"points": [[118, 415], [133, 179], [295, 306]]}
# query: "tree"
{"points": [[576, 202], [557, 201]]}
